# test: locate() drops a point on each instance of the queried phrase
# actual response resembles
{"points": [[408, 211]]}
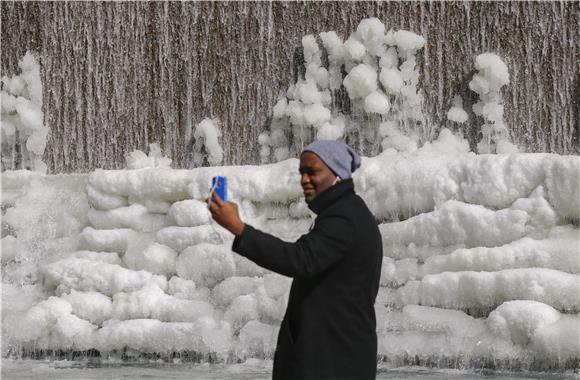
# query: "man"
{"points": [[329, 330]]}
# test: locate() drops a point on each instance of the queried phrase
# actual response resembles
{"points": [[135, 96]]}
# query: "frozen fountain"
{"points": [[481, 266]]}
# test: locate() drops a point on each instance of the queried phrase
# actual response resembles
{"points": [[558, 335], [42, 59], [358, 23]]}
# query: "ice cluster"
{"points": [[377, 70], [22, 119], [138, 159], [380, 78], [480, 257], [457, 113], [207, 146], [492, 75]]}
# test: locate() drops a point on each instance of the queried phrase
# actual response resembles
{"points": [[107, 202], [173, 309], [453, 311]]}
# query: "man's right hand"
{"points": [[226, 214]]}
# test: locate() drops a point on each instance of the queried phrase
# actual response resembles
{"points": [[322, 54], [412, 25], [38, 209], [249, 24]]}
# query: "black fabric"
{"points": [[329, 330]]}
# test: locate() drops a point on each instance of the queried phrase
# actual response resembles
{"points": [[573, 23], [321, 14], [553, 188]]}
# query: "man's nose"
{"points": [[304, 179]]}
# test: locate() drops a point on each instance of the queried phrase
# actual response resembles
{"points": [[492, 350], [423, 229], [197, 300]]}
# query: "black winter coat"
{"points": [[329, 330]]}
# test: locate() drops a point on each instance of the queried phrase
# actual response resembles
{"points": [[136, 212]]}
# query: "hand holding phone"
{"points": [[223, 212]]}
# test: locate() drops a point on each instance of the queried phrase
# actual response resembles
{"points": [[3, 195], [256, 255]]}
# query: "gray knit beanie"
{"points": [[339, 157]]}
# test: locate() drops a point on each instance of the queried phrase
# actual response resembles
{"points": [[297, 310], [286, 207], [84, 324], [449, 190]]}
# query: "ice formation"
{"points": [[492, 75], [482, 252], [380, 79], [138, 160], [457, 113], [479, 253], [22, 117], [207, 145]]}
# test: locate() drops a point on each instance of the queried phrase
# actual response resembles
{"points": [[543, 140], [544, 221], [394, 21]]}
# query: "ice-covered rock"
{"points": [[206, 264], [88, 275]]}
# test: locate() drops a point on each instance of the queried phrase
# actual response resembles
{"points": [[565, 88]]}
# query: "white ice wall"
{"points": [[481, 260]]}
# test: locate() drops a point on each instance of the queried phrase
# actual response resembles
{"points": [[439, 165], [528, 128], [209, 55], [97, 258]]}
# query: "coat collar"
{"points": [[331, 195]]}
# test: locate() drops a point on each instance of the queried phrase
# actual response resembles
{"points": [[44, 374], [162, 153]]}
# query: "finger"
{"points": [[211, 206], [217, 199]]}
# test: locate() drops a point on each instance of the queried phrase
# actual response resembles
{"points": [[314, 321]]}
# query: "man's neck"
{"points": [[331, 195]]}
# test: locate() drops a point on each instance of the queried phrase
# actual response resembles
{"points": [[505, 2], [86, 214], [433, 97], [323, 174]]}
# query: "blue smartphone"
{"points": [[219, 184]]}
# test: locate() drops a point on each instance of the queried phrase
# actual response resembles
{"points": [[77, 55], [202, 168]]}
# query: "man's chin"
{"points": [[308, 198]]}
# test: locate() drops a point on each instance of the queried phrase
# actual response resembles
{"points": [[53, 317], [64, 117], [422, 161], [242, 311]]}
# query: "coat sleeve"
{"points": [[329, 240]]}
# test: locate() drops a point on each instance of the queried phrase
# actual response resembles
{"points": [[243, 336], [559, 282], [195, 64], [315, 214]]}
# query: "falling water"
{"points": [[118, 76]]}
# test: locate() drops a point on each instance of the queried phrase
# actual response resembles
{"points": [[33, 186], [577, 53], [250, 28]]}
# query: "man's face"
{"points": [[315, 176]]}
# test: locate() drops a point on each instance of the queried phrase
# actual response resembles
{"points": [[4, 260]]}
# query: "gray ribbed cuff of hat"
{"points": [[339, 157]]}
